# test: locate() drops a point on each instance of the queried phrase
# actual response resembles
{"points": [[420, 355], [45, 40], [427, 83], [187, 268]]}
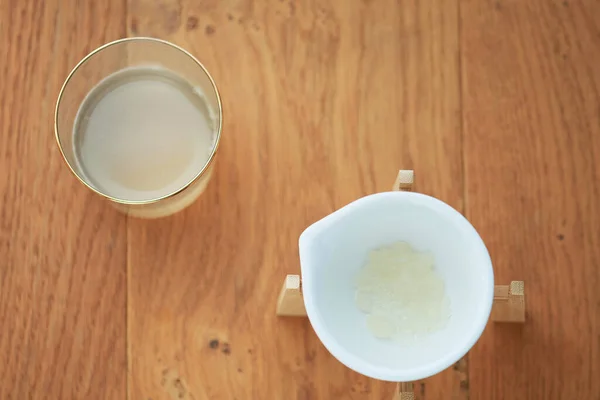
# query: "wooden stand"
{"points": [[290, 302], [405, 181], [508, 306], [509, 303], [404, 391]]}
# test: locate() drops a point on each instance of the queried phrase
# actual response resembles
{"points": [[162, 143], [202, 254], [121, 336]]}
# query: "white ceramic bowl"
{"points": [[332, 251]]}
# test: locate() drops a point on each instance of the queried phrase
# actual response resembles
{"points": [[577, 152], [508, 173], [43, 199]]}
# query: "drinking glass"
{"points": [[109, 59]]}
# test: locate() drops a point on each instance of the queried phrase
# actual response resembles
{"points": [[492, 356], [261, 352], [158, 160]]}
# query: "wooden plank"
{"points": [[62, 250], [531, 87], [323, 103]]}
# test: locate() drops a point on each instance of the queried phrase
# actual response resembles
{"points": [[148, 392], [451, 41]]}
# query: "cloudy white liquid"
{"points": [[143, 133]]}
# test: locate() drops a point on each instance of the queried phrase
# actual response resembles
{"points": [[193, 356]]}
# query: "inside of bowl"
{"points": [[339, 249]]}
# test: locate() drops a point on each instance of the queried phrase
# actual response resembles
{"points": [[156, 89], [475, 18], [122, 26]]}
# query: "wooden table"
{"points": [[494, 104]]}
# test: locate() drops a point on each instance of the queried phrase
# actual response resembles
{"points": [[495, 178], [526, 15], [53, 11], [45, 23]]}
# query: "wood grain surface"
{"points": [[494, 104], [62, 250], [531, 109], [323, 103]]}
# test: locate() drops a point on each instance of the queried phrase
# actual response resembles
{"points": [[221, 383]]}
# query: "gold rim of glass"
{"points": [[219, 128]]}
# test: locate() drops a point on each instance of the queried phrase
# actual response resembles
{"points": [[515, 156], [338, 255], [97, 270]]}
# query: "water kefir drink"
{"points": [[143, 133]]}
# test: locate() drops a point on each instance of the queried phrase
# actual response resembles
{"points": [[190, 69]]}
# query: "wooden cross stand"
{"points": [[508, 306]]}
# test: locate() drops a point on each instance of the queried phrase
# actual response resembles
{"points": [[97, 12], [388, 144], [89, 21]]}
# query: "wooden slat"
{"points": [[404, 391], [531, 87], [509, 303], [290, 302], [405, 180], [323, 102], [62, 250]]}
